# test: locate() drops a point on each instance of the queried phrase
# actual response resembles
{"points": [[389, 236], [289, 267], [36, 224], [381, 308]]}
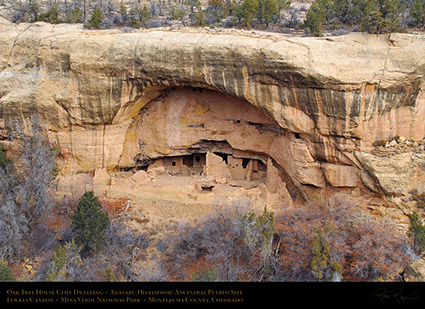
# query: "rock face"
{"points": [[415, 272], [316, 106]]}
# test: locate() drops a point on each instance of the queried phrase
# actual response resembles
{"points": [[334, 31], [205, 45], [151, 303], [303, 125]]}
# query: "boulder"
{"points": [[101, 177], [415, 271]]}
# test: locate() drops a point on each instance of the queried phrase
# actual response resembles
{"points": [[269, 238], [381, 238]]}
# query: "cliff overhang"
{"points": [[328, 99]]}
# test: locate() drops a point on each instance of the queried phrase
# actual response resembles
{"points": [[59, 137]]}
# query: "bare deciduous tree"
{"points": [[25, 191]]}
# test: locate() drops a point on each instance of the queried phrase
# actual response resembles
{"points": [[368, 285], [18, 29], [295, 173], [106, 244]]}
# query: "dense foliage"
{"points": [[25, 192], [89, 223], [335, 16], [417, 232], [6, 273], [372, 16], [306, 244]]}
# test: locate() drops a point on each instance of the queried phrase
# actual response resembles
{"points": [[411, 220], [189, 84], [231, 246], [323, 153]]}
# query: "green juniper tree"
{"points": [[418, 12], [267, 11], [207, 274], [323, 265], [372, 16], [6, 273], [74, 15], [316, 17], [89, 223], [247, 11], [4, 160], [96, 19], [417, 232], [64, 263], [50, 16]]}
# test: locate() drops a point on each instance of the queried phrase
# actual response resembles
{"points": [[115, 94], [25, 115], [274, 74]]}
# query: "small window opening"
{"points": [[173, 163], [297, 136], [222, 155], [245, 162], [207, 188], [261, 166], [198, 159]]}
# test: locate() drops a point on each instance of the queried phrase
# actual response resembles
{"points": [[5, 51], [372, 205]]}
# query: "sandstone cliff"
{"points": [[324, 101]]}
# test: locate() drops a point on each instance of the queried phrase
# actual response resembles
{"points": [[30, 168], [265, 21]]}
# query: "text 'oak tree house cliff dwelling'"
{"points": [[314, 107]]}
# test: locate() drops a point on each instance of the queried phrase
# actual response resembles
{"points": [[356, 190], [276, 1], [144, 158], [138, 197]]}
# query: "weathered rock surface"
{"points": [[415, 272], [329, 98]]}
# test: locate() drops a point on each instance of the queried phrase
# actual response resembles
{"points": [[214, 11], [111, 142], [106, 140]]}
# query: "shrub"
{"points": [[74, 16], [417, 232], [311, 243], [216, 240], [25, 192], [96, 19], [418, 12], [4, 160], [375, 16], [324, 265], [51, 16], [247, 11], [315, 18], [178, 13], [354, 247], [268, 10], [6, 273], [259, 230], [199, 19], [89, 223], [206, 275], [64, 263], [109, 275]]}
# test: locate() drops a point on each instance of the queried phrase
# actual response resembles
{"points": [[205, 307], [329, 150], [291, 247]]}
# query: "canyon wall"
{"points": [[319, 105]]}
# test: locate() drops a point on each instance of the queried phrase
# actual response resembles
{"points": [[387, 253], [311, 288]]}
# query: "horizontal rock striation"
{"points": [[331, 97]]}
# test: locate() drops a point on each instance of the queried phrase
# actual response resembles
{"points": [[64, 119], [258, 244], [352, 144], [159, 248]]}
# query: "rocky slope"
{"points": [[329, 101]]}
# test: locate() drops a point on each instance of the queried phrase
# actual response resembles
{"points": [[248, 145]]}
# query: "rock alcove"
{"points": [[209, 136]]}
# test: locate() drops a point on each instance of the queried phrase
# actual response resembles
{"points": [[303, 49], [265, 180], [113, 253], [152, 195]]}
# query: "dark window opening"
{"points": [[188, 161], [207, 188], [222, 155], [142, 168], [261, 166], [198, 159], [173, 163], [245, 162], [297, 136]]}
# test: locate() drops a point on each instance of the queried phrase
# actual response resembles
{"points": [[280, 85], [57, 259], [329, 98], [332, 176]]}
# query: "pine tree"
{"points": [[381, 16], [89, 223], [267, 11], [316, 18], [96, 19], [247, 11], [74, 15], [51, 16], [418, 12], [145, 16]]}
